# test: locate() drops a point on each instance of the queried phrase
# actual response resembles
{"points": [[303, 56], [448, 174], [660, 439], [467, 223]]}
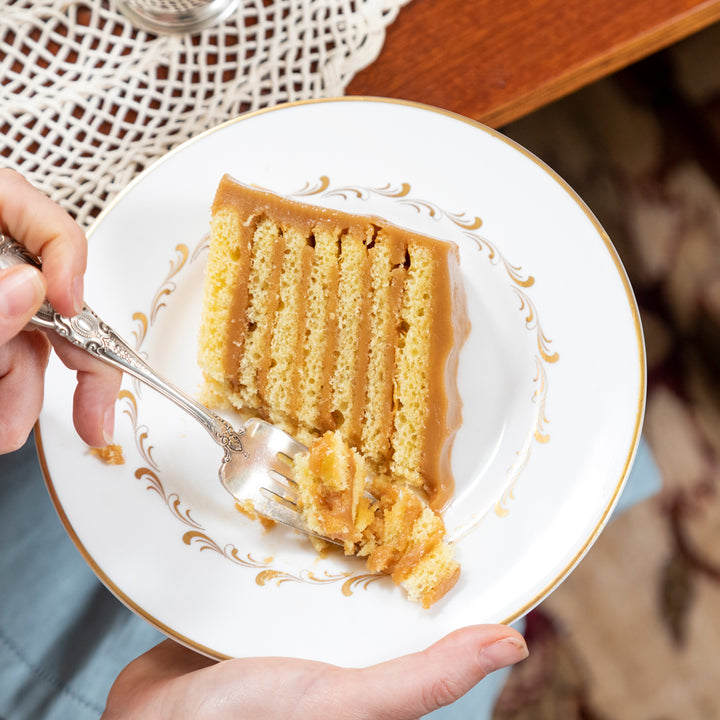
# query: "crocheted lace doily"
{"points": [[87, 100]]}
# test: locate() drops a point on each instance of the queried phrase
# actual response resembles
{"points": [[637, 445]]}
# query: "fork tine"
{"points": [[287, 485], [283, 479], [280, 498], [278, 508], [281, 465]]}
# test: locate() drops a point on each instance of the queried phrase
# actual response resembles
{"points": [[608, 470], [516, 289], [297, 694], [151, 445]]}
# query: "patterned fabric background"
{"points": [[634, 633]]}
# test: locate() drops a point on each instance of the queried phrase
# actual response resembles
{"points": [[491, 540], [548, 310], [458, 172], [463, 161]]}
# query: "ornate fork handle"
{"points": [[87, 331]]}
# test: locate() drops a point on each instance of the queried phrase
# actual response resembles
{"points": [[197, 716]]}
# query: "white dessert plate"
{"points": [[552, 380]]}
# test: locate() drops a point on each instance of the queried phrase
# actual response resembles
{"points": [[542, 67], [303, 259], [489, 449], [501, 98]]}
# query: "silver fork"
{"points": [[254, 455]]}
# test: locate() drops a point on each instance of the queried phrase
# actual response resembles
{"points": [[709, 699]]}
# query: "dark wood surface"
{"points": [[497, 60]]}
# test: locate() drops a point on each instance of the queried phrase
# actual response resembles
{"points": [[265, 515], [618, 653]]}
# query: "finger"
{"points": [[97, 389], [417, 684], [47, 230], [22, 290], [22, 367]]}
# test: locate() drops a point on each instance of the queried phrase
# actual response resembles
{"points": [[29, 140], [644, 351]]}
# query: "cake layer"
{"points": [[320, 320]]}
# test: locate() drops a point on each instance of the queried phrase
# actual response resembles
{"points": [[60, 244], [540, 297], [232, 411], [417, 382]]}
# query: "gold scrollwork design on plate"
{"points": [[350, 581], [168, 286], [536, 434], [397, 192], [172, 500], [200, 248], [532, 322], [141, 332], [388, 191], [467, 222], [496, 257], [520, 282], [269, 575], [314, 188], [229, 552], [539, 399], [305, 576], [359, 581], [128, 403]]}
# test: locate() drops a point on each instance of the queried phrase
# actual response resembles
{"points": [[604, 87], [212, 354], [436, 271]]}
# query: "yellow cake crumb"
{"points": [[110, 454], [247, 508]]}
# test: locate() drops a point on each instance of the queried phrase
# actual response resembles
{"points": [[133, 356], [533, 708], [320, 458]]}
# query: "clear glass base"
{"points": [[169, 20]]}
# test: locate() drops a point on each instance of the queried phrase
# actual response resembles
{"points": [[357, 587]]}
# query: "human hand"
{"points": [[171, 682], [45, 229]]}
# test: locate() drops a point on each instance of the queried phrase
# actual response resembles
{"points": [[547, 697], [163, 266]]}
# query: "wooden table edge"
{"points": [[612, 59]]}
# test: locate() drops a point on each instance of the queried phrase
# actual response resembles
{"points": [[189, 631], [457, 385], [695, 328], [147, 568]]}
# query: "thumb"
{"points": [[22, 291], [186, 685], [417, 684]]}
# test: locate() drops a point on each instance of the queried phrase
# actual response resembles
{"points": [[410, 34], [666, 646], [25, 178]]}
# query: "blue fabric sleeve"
{"points": [[64, 637]]}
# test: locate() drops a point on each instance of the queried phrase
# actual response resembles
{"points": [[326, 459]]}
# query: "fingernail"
{"points": [[109, 425], [21, 288], [502, 653], [77, 293]]}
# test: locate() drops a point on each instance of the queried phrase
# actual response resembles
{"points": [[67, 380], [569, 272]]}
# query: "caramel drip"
{"points": [[435, 467], [446, 385]]}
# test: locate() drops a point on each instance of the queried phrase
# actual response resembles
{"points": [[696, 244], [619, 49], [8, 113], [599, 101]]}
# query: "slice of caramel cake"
{"points": [[318, 320]]}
